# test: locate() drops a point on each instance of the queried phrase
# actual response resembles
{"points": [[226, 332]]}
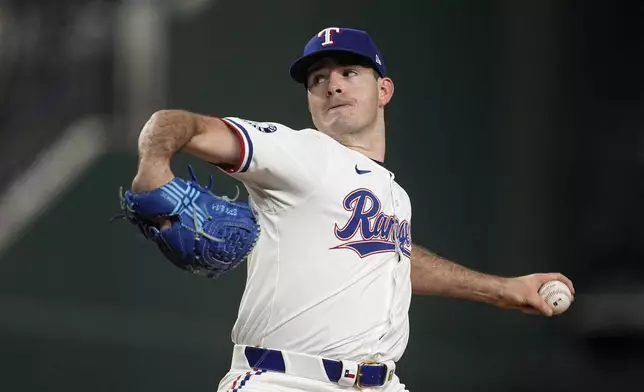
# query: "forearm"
{"points": [[165, 133], [434, 275]]}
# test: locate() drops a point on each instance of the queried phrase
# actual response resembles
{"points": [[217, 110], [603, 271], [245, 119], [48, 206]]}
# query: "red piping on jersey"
{"points": [[242, 142]]}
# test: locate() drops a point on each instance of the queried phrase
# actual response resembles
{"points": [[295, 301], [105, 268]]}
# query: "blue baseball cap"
{"points": [[337, 40]]}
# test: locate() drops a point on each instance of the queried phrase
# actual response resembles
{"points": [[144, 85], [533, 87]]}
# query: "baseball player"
{"points": [[330, 280]]}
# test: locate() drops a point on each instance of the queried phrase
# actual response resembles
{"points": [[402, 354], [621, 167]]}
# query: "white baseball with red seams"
{"points": [[557, 295]]}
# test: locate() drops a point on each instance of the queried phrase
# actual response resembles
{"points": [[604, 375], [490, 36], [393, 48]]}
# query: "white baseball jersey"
{"points": [[330, 274]]}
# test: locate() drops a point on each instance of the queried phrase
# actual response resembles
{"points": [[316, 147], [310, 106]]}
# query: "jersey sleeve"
{"points": [[278, 162]]}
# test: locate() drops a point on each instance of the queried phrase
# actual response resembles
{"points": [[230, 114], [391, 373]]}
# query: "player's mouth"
{"points": [[338, 106]]}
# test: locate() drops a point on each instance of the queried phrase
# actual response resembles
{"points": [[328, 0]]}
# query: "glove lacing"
{"points": [[198, 228]]}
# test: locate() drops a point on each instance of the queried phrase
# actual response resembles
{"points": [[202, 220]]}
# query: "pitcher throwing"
{"points": [[330, 279]]}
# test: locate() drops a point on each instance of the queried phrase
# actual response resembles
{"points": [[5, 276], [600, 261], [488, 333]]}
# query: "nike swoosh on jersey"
{"points": [[362, 171]]}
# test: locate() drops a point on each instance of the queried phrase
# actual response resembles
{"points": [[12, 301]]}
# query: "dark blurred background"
{"points": [[516, 128]]}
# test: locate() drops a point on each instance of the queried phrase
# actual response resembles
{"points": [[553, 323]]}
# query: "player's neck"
{"points": [[375, 152], [369, 142]]}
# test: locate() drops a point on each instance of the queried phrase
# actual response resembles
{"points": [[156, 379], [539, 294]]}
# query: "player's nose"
{"points": [[334, 90], [335, 84]]}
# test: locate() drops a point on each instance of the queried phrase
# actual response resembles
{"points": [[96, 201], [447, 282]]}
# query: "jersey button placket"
{"points": [[395, 204]]}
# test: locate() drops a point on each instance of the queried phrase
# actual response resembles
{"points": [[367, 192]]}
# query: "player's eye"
{"points": [[349, 72], [316, 79]]}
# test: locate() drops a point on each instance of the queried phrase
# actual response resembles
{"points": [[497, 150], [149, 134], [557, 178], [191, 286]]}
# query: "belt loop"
{"points": [[391, 369], [349, 373]]}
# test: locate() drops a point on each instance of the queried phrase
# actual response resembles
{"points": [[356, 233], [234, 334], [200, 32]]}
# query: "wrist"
{"points": [[493, 290], [506, 293], [500, 290], [152, 174]]}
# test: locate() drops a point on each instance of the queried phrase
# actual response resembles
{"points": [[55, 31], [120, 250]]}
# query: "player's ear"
{"points": [[386, 91]]}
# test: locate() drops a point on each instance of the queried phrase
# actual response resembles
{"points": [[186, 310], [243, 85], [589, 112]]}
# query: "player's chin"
{"points": [[341, 114], [341, 125]]}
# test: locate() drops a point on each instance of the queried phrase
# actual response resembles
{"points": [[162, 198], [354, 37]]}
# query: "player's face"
{"points": [[345, 98]]}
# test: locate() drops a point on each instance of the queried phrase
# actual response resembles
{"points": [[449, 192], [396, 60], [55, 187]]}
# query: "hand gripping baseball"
{"points": [[209, 235]]}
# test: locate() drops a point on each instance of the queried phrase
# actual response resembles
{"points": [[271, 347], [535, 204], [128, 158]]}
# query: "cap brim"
{"points": [[299, 68]]}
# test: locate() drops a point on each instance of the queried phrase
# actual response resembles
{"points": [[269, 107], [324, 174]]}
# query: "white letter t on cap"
{"points": [[328, 39]]}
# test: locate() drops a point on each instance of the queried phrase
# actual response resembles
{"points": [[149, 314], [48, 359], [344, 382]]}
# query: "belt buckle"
{"points": [[359, 375]]}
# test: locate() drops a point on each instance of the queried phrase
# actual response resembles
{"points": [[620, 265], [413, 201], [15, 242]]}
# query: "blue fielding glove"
{"points": [[210, 235]]}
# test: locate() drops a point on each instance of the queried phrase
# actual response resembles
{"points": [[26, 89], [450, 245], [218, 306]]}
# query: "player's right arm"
{"points": [[278, 165], [170, 131]]}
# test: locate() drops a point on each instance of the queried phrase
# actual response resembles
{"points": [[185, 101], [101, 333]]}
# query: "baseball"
{"points": [[557, 295]]}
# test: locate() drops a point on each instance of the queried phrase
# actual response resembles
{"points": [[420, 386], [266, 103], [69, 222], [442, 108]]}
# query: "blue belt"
{"points": [[369, 374]]}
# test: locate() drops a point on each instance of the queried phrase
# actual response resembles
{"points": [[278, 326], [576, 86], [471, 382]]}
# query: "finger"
{"points": [[562, 278], [165, 224], [540, 305], [527, 309], [531, 311], [530, 308], [568, 283]]}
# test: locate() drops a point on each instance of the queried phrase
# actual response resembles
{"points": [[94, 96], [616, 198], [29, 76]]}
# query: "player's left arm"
{"points": [[432, 274]]}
